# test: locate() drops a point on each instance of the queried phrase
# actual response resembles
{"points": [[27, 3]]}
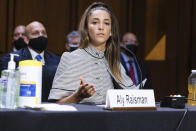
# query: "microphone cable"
{"points": [[117, 81], [135, 58], [181, 120]]}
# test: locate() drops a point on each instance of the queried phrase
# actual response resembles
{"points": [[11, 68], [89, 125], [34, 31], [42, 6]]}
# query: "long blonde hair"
{"points": [[112, 51]]}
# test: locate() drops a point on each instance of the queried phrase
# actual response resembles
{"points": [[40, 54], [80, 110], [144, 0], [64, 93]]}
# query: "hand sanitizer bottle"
{"points": [[10, 79], [1, 91]]}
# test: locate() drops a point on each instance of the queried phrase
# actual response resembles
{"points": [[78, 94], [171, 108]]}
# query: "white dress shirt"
{"points": [[34, 54]]}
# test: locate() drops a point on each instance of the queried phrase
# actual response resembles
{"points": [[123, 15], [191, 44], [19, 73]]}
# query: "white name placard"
{"points": [[127, 98]]}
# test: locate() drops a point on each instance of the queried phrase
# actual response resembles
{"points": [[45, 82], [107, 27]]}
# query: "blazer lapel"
{"points": [[26, 55], [137, 69], [47, 59], [124, 64]]}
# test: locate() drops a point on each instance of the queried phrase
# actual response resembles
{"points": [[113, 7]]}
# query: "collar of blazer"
{"points": [[26, 54], [94, 52]]}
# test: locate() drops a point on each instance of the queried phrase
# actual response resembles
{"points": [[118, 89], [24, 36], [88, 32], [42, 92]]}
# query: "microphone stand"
{"points": [[134, 57]]}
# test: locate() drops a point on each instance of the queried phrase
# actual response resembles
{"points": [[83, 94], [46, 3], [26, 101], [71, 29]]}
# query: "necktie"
{"points": [[131, 73], [38, 58]]}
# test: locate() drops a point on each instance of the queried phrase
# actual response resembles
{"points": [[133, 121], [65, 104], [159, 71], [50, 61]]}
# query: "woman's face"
{"points": [[99, 27]]}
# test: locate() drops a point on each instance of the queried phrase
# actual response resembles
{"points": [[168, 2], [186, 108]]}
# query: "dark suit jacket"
{"points": [[48, 70], [144, 71]]}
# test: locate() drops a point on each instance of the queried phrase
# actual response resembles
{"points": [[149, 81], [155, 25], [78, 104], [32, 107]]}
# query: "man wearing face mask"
{"points": [[19, 41], [72, 41], [19, 38], [36, 50], [130, 42]]}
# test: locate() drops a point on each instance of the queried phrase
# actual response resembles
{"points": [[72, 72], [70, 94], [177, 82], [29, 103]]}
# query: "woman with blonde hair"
{"points": [[85, 75]]}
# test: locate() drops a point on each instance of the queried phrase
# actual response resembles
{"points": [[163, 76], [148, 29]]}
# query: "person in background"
{"points": [[37, 42], [85, 75], [72, 41], [130, 42], [19, 40]]}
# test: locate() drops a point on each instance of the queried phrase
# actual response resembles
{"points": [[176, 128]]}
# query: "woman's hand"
{"points": [[85, 90]]}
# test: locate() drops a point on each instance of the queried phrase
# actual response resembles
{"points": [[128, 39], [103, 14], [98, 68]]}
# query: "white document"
{"points": [[52, 107]]}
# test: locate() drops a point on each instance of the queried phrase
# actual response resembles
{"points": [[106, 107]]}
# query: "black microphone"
{"points": [[134, 57]]}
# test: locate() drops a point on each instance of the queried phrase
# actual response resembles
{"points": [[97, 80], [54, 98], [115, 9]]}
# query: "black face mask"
{"points": [[73, 48], [133, 48], [39, 43], [19, 44]]}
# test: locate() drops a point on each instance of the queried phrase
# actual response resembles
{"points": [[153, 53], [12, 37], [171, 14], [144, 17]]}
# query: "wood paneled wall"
{"points": [[148, 19], [175, 20], [59, 17], [192, 55]]}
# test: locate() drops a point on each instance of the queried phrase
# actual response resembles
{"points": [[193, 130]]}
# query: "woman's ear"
{"points": [[110, 33]]}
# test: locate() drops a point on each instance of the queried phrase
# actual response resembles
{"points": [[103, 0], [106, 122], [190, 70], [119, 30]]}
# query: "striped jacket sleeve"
{"points": [[65, 81]]}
